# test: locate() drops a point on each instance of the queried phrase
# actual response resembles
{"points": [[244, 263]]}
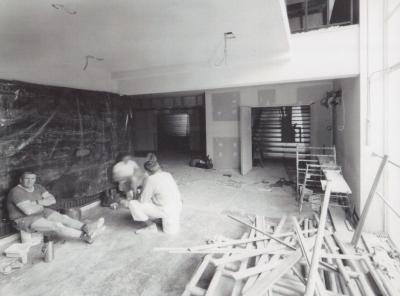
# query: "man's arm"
{"points": [[148, 191], [29, 207], [47, 199]]}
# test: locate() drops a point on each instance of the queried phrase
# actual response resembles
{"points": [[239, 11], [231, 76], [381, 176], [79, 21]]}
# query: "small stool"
{"points": [[31, 238]]}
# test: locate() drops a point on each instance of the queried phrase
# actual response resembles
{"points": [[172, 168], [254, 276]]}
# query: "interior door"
{"points": [[246, 151]]}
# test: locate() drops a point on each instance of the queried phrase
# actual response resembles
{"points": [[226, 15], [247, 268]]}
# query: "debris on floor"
{"points": [[231, 183], [292, 257], [10, 265], [18, 250], [282, 182]]}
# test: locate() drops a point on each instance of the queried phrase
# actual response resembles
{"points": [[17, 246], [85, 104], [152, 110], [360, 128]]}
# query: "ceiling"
{"points": [[46, 40]]}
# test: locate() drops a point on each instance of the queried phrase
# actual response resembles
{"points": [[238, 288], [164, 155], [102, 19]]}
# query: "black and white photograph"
{"points": [[199, 147]]}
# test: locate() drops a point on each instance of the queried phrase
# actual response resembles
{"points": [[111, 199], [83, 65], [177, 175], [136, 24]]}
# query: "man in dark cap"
{"points": [[160, 199]]}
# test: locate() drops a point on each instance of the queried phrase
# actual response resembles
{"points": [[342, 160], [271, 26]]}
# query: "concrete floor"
{"points": [[123, 263]]}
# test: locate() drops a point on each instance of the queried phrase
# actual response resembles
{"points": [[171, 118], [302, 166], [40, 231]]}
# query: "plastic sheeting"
{"points": [[69, 138]]}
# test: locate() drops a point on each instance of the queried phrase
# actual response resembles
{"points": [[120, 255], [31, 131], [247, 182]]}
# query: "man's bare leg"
{"points": [[89, 228], [65, 220], [44, 225]]}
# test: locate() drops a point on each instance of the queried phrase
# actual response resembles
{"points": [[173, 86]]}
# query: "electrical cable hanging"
{"points": [[90, 57], [224, 59]]}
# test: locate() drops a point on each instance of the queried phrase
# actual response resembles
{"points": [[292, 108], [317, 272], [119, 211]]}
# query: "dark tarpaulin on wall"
{"points": [[69, 138]]}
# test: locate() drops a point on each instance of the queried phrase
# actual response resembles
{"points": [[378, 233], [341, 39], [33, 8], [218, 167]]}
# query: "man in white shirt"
{"points": [[160, 199]]}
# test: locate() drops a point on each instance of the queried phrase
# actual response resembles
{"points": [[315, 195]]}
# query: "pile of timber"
{"points": [[291, 257]]}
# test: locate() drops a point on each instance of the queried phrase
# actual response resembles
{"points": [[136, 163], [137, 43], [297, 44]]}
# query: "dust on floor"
{"points": [[123, 263]]}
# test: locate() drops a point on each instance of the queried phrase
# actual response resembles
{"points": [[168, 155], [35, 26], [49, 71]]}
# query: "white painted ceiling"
{"points": [[134, 35]]}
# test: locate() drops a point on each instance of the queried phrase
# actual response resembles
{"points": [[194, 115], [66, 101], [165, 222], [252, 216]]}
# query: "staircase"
{"points": [[270, 137]]}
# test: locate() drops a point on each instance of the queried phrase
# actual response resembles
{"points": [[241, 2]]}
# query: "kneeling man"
{"points": [[160, 199], [27, 205]]}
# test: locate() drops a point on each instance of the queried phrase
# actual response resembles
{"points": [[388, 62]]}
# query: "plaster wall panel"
{"points": [[225, 106], [266, 97], [226, 152], [309, 94], [348, 135], [393, 33]]}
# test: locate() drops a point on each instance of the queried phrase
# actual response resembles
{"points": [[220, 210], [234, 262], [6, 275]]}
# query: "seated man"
{"points": [[160, 199], [27, 205]]}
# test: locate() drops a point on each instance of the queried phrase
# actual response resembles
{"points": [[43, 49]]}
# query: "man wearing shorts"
{"points": [[28, 203]]}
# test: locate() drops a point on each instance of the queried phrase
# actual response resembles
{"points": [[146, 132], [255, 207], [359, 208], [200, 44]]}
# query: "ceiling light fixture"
{"points": [[90, 57], [63, 8]]}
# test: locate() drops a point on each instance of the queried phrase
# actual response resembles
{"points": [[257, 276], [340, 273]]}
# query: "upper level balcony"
{"points": [[306, 15]]}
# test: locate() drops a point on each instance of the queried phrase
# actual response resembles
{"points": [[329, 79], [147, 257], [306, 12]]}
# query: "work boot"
{"points": [[89, 238], [148, 229], [90, 228]]}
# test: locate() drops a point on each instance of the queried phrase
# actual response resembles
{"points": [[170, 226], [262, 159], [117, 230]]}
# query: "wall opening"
{"points": [[276, 131], [170, 125]]}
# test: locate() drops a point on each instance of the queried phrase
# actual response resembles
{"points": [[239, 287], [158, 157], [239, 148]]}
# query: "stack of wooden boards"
{"points": [[277, 258]]}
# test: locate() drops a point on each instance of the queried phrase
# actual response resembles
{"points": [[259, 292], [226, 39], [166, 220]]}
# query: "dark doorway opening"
{"points": [[174, 131], [170, 125]]}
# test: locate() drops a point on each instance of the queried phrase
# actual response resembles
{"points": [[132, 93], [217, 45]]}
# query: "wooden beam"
{"points": [[363, 281], [197, 275], [261, 287], [300, 238], [312, 277], [360, 226], [263, 232], [265, 258]]}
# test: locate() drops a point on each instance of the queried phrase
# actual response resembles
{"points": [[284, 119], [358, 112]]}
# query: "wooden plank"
{"points": [[312, 277], [213, 246], [238, 285], [259, 268], [364, 214], [261, 286], [319, 286], [348, 284], [265, 258], [197, 275], [376, 278], [263, 232], [363, 281]]}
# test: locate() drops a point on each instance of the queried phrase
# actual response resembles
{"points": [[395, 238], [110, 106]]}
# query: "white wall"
{"points": [[393, 118], [347, 133], [290, 94], [380, 91], [316, 55]]}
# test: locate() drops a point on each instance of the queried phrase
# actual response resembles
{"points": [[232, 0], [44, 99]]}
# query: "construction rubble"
{"points": [[291, 256]]}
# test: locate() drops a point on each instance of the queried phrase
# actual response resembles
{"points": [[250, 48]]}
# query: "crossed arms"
{"points": [[29, 207]]}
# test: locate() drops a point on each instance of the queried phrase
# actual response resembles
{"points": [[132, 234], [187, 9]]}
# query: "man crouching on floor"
{"points": [[160, 199], [28, 203]]}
